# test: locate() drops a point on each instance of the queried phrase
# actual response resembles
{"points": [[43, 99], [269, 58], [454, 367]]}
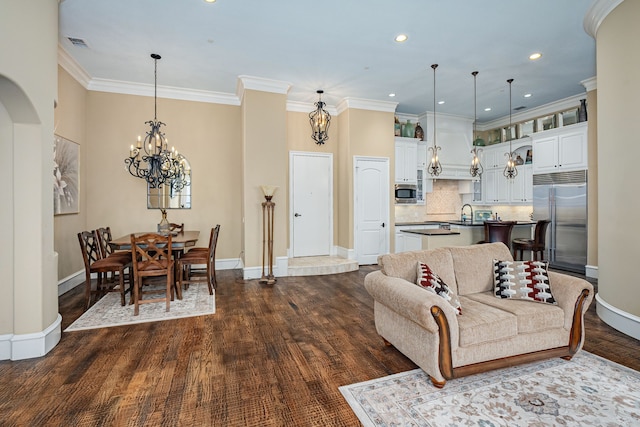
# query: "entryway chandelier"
{"points": [[476, 167], [434, 168], [320, 120], [151, 159], [510, 170]]}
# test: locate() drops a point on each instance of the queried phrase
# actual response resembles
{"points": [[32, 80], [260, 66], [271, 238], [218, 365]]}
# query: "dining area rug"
{"points": [[108, 312], [585, 391]]}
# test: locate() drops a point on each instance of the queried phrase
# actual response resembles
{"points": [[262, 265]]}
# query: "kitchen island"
{"points": [[432, 235]]}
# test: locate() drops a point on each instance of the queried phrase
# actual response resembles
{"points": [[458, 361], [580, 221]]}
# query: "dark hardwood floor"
{"points": [[270, 356]]}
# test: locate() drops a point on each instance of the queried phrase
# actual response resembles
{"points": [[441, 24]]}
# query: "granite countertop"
{"points": [[457, 222], [432, 232], [421, 223], [481, 223]]}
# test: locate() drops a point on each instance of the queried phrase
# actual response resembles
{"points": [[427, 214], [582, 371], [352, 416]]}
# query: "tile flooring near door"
{"points": [[320, 265]]}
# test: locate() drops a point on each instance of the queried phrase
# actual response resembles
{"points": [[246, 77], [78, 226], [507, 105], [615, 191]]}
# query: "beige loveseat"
{"points": [[491, 332]]}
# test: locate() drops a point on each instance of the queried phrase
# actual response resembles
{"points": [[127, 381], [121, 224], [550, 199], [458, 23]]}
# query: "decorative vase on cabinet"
{"points": [[397, 127], [408, 129], [419, 132], [582, 111]]}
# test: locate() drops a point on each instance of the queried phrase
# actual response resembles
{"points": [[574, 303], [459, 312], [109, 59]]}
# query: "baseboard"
{"points": [[78, 278], [620, 320], [70, 282], [28, 346], [280, 269], [345, 253], [591, 271]]}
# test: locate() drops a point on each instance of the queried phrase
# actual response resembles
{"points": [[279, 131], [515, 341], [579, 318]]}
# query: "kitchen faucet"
{"points": [[462, 217]]}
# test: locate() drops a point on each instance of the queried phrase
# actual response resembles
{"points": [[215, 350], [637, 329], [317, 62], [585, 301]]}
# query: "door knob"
{"points": [[383, 225], [297, 214]]}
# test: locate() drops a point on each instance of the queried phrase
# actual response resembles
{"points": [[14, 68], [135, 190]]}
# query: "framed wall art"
{"points": [[66, 176]]}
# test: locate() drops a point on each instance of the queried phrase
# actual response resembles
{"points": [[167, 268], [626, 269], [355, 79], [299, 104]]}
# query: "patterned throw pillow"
{"points": [[526, 280], [433, 283]]}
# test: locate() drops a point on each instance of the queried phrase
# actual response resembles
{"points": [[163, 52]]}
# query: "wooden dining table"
{"points": [[179, 242]]}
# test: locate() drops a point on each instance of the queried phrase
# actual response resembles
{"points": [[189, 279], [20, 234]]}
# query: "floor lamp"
{"points": [[267, 233]]}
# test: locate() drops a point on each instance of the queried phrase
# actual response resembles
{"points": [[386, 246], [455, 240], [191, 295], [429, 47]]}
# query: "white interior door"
{"points": [[371, 202], [311, 219]]}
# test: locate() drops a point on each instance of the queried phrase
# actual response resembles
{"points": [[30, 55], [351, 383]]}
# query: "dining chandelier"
{"points": [[320, 120], [151, 159], [434, 168], [476, 167], [510, 170]]}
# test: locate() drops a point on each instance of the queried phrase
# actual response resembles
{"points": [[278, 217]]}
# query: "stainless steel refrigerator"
{"points": [[562, 198]]}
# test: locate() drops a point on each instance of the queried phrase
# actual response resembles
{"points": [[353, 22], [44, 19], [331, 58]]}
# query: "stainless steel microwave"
{"points": [[406, 194]]}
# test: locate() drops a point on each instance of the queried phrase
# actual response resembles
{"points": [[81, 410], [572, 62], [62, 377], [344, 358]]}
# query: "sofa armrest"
{"points": [[410, 301], [566, 290]]}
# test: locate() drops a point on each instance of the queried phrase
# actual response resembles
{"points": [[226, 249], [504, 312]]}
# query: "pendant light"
{"points": [[320, 119], [151, 159], [510, 170], [434, 168], [476, 167]]}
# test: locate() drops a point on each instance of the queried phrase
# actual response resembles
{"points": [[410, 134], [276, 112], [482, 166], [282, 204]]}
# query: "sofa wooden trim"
{"points": [[446, 362]]}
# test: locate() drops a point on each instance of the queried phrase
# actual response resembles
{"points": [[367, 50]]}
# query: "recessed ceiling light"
{"points": [[392, 95], [440, 102], [210, 1], [401, 38], [535, 56], [487, 109], [527, 95]]}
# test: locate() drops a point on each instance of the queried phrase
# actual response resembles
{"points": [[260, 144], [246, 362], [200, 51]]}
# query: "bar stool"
{"points": [[535, 245], [498, 231]]}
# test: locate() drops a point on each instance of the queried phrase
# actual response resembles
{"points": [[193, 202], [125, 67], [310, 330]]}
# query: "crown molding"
{"points": [[169, 92], [366, 104], [260, 84], [305, 107], [552, 107], [596, 13], [72, 67], [590, 84], [142, 89]]}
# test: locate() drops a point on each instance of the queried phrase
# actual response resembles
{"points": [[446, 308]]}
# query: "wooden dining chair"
{"points": [[153, 259], [178, 228], [104, 238], [95, 263], [197, 256]]}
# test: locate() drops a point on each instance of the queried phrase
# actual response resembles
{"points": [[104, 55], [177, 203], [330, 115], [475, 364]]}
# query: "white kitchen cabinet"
{"points": [[522, 188], [560, 150], [495, 187], [494, 156], [412, 242], [406, 151], [422, 155]]}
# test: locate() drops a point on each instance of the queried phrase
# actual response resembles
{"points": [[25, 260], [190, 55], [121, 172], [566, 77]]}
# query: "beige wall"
{"points": [[264, 162], [366, 133], [70, 117], [592, 179], [28, 82], [618, 64], [207, 134]]}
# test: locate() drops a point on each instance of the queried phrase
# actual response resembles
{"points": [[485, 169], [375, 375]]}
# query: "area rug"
{"points": [[585, 391], [107, 312]]}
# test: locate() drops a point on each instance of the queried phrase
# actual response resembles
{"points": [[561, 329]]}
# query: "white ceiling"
{"points": [[344, 47]]}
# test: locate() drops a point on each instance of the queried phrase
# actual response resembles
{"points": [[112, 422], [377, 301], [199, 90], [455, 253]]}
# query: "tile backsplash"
{"points": [[444, 204]]}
